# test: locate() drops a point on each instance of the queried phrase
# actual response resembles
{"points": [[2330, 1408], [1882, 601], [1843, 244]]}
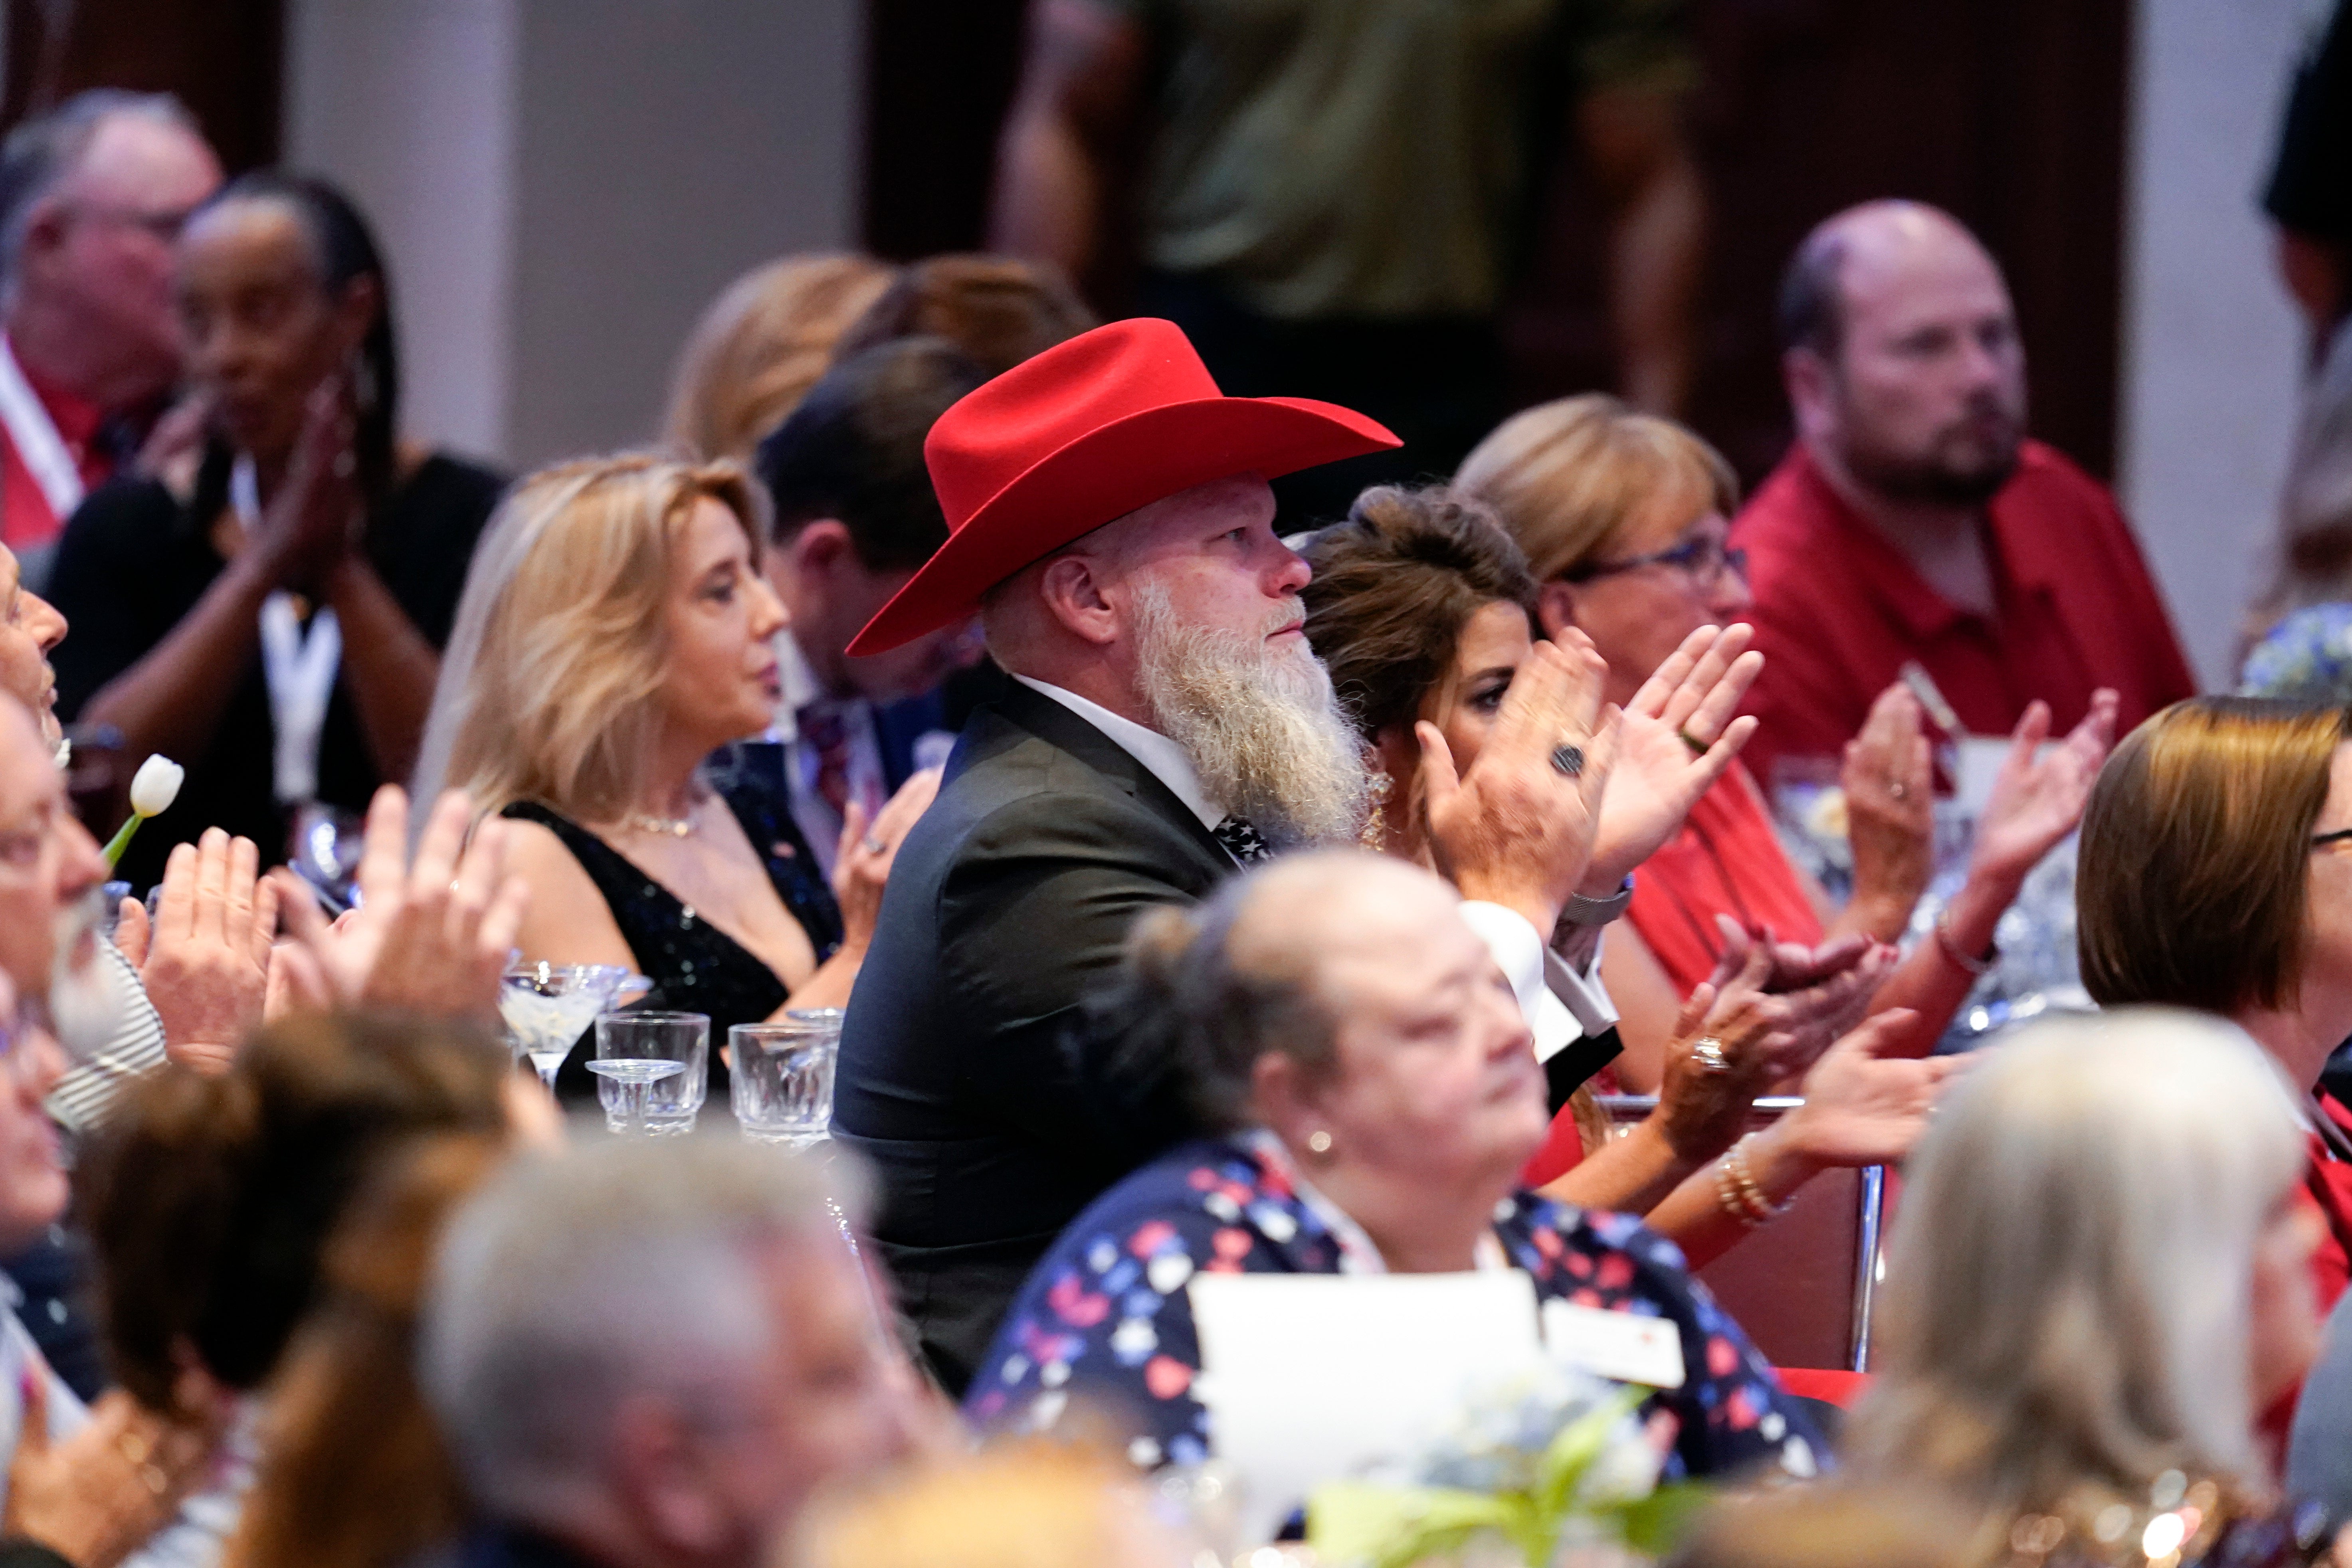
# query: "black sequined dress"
{"points": [[693, 965]]}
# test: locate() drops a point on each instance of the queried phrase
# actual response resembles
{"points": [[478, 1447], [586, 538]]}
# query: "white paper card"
{"points": [[1620, 1346], [1312, 1377]]}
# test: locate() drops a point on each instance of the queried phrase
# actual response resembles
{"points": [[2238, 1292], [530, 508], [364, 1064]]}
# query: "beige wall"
{"points": [[563, 184]]}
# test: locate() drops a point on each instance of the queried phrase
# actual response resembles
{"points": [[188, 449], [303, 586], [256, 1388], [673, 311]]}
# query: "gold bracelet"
{"points": [[1744, 1184]]}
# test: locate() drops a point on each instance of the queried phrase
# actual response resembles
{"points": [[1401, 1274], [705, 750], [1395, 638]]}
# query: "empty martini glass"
{"points": [[630, 1077], [548, 1006]]}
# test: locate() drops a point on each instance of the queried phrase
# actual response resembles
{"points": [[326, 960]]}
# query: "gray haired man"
{"points": [[648, 1354]]}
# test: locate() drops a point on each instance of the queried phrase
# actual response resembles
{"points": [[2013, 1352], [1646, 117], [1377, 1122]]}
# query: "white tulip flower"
{"points": [[153, 790], [156, 786]]}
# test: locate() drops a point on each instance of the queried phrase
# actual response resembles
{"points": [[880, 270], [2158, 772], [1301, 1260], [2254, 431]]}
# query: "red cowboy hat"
{"points": [[1091, 429]]}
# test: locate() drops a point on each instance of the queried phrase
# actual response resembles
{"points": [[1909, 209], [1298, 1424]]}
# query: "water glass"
{"points": [[669, 1103], [782, 1087]]}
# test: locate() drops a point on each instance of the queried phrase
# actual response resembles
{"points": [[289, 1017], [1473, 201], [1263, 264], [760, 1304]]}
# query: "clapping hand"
{"points": [[1890, 810], [205, 962], [2035, 802], [431, 937], [1828, 988], [1687, 704], [1517, 829], [1867, 1103], [862, 862], [313, 518], [97, 1495]]}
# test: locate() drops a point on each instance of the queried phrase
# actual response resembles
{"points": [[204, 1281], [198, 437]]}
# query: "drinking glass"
{"points": [[548, 1006], [782, 1082], [639, 1098]]}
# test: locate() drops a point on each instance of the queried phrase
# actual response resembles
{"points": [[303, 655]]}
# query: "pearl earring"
{"points": [[1318, 1143]]}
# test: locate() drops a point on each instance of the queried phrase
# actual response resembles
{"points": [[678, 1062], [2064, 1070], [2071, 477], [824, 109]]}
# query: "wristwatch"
{"points": [[1580, 910]]}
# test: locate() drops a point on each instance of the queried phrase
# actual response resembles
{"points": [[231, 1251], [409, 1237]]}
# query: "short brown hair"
{"points": [[1568, 478], [1393, 586], [209, 1200], [2195, 854], [761, 345], [999, 309]]}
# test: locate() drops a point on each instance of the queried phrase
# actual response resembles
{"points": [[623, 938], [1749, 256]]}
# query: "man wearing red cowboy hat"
{"points": [[1111, 523]]}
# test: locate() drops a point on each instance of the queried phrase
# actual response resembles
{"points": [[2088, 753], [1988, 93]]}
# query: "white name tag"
{"points": [[1615, 1345]]}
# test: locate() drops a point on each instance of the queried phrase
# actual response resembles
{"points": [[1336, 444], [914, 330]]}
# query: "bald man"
{"points": [[1913, 522]]}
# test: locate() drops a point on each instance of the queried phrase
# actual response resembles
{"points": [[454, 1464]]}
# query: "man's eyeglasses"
{"points": [[2321, 840], [1702, 560], [165, 226]]}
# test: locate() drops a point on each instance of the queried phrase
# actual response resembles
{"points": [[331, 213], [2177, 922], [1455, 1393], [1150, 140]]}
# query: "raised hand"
{"points": [[97, 1495], [862, 865], [432, 937], [1517, 829], [1689, 697], [1701, 1109], [206, 963], [2036, 801], [313, 518], [1865, 1103], [1828, 988], [1890, 811]]}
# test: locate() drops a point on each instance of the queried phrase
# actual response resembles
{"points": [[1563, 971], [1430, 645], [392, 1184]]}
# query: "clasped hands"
{"points": [[1515, 829], [428, 936]]}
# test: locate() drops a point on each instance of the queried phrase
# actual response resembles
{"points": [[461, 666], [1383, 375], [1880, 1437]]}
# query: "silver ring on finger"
{"points": [[872, 845], [1896, 789], [1707, 1052], [1568, 759]]}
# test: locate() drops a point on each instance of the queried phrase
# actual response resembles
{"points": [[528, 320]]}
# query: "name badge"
{"points": [[1615, 1345]]}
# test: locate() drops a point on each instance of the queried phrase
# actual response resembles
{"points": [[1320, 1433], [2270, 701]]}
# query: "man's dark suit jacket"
{"points": [[990, 1117]]}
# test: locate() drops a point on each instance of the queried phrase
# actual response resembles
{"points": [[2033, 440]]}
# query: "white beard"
{"points": [[1259, 721], [83, 1008]]}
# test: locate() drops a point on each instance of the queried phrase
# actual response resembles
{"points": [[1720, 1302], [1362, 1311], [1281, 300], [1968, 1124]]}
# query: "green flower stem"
{"points": [[121, 840]]}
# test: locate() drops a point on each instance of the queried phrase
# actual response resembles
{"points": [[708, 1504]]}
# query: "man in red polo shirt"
{"points": [[92, 197], [1912, 521]]}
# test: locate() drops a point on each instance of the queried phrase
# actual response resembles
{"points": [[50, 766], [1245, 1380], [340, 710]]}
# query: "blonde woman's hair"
{"points": [[1030, 1504], [761, 346], [549, 689], [1568, 477], [2067, 1299]]}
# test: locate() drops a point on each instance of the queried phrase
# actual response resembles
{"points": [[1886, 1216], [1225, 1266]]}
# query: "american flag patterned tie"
{"points": [[1237, 836]]}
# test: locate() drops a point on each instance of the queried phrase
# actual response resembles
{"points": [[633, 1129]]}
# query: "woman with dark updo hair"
{"points": [[273, 621]]}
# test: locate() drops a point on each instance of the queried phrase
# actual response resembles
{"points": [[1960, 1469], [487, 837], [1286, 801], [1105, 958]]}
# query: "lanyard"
{"points": [[37, 440], [299, 665]]}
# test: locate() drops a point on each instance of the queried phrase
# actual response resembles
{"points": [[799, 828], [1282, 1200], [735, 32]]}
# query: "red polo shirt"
{"points": [[1839, 609], [26, 520]]}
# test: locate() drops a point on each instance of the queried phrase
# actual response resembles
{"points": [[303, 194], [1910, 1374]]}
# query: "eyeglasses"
{"points": [[2321, 840], [165, 226], [1702, 560]]}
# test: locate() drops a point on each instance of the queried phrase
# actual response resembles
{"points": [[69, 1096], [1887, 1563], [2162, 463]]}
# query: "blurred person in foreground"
{"points": [[92, 195], [1623, 518], [1333, 200], [354, 1472], [276, 628], [2215, 873], [854, 516], [761, 345], [1366, 1095], [2099, 1280], [1420, 608], [1110, 522], [648, 1353], [1915, 522], [1010, 1505], [616, 632], [997, 310]]}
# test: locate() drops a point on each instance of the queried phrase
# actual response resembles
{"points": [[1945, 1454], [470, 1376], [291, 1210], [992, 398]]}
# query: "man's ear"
{"points": [[1556, 608], [45, 229], [1073, 588], [660, 1481], [821, 546], [1810, 382]]}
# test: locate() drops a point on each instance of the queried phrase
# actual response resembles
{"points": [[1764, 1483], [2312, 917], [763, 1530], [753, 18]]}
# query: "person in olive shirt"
{"points": [[277, 631], [1336, 194]]}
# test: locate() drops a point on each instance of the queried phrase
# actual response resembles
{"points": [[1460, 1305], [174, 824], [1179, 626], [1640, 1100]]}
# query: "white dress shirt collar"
{"points": [[1164, 758], [798, 683]]}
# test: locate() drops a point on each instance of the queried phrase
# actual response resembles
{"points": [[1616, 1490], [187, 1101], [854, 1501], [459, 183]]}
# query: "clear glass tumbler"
{"points": [[782, 1076], [668, 1103]]}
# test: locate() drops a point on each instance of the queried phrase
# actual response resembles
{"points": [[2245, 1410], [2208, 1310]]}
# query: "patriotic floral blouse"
{"points": [[1105, 1318]]}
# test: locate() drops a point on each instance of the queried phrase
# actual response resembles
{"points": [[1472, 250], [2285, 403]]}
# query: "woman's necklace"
{"points": [[660, 826]]}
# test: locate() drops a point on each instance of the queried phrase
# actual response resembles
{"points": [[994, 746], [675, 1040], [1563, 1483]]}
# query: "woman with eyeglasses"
{"points": [[1622, 517], [2216, 873]]}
